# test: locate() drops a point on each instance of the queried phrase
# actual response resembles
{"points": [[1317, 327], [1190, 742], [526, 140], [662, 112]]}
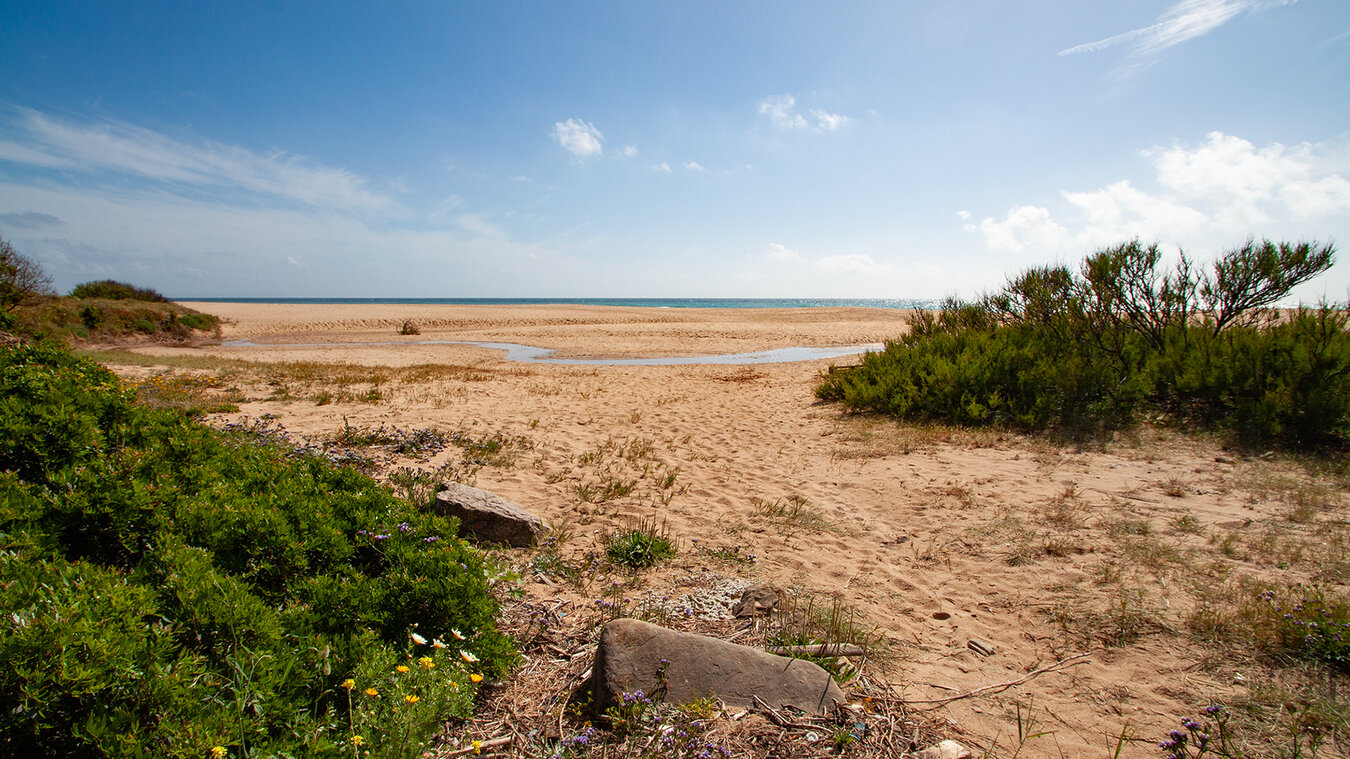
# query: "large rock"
{"points": [[487, 516], [631, 652]]}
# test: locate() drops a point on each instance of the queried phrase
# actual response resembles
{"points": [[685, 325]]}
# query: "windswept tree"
{"points": [[21, 279]]}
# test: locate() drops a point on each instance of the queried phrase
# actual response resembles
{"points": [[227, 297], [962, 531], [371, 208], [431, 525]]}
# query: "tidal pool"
{"points": [[530, 354]]}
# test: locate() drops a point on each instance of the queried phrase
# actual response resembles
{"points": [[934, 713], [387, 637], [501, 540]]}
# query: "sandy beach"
{"points": [[1041, 551]]}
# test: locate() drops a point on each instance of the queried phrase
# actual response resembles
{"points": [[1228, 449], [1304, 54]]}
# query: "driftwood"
{"points": [[819, 649], [482, 746]]}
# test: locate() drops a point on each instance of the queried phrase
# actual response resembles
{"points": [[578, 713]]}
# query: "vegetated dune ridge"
{"points": [[935, 536]]}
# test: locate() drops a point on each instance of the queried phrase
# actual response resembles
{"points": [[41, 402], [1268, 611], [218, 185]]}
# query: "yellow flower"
{"points": [[349, 683], [402, 668], [477, 746], [468, 657], [419, 640], [357, 740], [426, 662], [219, 752], [372, 692], [411, 699], [476, 678]]}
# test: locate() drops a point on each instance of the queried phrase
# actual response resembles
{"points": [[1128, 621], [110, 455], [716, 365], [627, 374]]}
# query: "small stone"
{"points": [[939, 615], [944, 750], [980, 647], [755, 602]]}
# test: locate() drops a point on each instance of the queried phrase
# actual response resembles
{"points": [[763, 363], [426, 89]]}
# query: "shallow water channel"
{"points": [[530, 354]]}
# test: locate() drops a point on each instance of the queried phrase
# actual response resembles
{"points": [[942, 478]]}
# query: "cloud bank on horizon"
{"points": [[892, 153]]}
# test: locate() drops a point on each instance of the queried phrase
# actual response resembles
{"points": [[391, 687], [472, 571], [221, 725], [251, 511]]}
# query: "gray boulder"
{"points": [[487, 517], [631, 653]]}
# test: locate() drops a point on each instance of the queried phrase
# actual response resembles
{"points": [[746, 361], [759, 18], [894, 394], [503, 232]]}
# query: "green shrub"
{"points": [[108, 289], [1017, 376], [62, 318], [645, 545], [1090, 351], [174, 588], [198, 321]]}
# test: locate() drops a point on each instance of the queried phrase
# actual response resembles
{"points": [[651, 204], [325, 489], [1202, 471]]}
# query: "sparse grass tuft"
{"points": [[803, 618], [791, 513], [643, 545]]}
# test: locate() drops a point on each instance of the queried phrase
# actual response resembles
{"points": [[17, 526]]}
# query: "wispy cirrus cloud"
{"points": [[99, 198], [579, 138], [133, 152], [1182, 22]]}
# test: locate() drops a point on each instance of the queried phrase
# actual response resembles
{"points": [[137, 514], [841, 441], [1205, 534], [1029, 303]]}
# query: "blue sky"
{"points": [[640, 149]]}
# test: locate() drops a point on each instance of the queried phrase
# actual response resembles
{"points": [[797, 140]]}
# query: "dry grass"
{"points": [[539, 705], [1164, 565]]}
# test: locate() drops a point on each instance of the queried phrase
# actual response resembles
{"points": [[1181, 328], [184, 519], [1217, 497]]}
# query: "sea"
{"points": [[906, 303]]}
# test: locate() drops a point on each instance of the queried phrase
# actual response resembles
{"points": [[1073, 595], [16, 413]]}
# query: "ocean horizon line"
{"points": [[891, 303]]}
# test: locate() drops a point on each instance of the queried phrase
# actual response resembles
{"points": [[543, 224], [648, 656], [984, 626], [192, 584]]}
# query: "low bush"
{"points": [[1307, 622], [108, 289], [1091, 351], [170, 589], [96, 319], [644, 545], [95, 311]]}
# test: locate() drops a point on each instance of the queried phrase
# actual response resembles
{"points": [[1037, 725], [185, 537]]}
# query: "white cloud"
{"points": [[852, 264], [478, 224], [829, 121], [779, 109], [1250, 184], [779, 252], [1183, 21], [112, 146], [1220, 191], [1120, 211], [782, 113], [663, 166], [1023, 226], [193, 246], [579, 138], [776, 269], [629, 151], [694, 166], [1319, 197]]}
